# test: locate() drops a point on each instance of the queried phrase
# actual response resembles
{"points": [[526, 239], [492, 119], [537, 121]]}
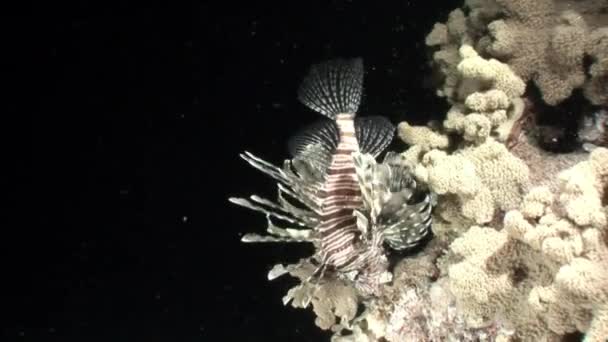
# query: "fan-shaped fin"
{"points": [[315, 144], [333, 87], [400, 172], [406, 228], [374, 134]]}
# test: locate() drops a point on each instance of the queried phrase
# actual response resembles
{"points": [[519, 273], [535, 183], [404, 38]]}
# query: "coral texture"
{"points": [[542, 41], [334, 301], [449, 36], [491, 98], [542, 165], [544, 273], [534, 275], [537, 273], [596, 89], [484, 178], [418, 307], [520, 235], [421, 136]]}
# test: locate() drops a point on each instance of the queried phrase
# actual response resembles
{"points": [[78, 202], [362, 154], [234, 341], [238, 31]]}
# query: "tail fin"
{"points": [[333, 87]]}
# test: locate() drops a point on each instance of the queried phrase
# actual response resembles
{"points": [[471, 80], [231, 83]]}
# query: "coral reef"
{"points": [[487, 101], [542, 165], [544, 272], [520, 233], [417, 307], [519, 253], [334, 301], [483, 178], [535, 273], [423, 137], [543, 41]]}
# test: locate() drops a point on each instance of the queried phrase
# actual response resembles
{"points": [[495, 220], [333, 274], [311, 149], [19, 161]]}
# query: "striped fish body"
{"points": [[340, 195], [399, 207], [334, 89], [322, 178]]}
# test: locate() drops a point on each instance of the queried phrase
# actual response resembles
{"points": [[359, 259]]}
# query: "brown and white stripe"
{"points": [[340, 194]]}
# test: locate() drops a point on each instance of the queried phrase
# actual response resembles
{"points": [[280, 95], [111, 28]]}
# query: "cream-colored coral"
{"points": [[541, 46], [484, 178], [536, 202], [543, 41], [582, 188], [421, 136], [473, 127], [416, 307], [411, 156], [497, 75], [504, 175], [544, 272], [454, 121], [449, 37], [563, 67], [476, 127], [504, 130], [450, 173], [438, 36], [488, 101], [489, 89], [478, 292], [332, 299], [596, 89]]}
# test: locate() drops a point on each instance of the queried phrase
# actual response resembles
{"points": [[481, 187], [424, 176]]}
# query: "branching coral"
{"points": [[538, 278], [523, 276], [540, 45], [491, 94], [484, 178], [506, 263], [423, 137], [545, 272], [482, 175], [534, 270], [495, 74], [542, 41], [449, 36]]}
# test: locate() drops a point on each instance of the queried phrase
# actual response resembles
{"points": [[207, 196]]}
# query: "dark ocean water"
{"points": [[138, 113]]}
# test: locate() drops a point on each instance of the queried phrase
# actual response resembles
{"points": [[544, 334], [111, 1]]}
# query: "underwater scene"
{"points": [[306, 171], [490, 222]]}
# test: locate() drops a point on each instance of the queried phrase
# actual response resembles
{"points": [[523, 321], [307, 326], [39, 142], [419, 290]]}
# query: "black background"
{"points": [[136, 115]]}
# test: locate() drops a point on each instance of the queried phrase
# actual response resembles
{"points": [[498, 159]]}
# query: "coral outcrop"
{"points": [[482, 179], [487, 100], [520, 246], [544, 42], [544, 273], [521, 234], [417, 307], [596, 89], [538, 273]]}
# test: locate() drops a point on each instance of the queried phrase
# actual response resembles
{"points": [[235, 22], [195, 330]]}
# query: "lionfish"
{"points": [[348, 205]]}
